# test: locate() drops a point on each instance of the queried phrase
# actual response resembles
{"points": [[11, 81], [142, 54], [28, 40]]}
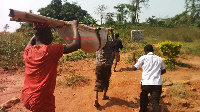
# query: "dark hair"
{"points": [[148, 48], [44, 35], [116, 35]]}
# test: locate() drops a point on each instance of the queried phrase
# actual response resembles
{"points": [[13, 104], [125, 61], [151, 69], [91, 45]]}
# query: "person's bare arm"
{"points": [[76, 44], [32, 41]]}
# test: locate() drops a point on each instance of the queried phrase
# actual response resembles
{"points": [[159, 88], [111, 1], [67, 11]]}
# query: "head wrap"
{"points": [[40, 25]]}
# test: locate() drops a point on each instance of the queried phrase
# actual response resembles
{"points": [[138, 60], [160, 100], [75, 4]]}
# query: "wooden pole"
{"points": [[21, 16]]}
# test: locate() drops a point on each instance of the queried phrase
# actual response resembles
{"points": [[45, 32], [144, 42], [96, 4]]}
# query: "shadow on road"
{"points": [[120, 102], [126, 69]]}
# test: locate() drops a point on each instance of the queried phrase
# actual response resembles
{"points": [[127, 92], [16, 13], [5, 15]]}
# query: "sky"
{"points": [[157, 8]]}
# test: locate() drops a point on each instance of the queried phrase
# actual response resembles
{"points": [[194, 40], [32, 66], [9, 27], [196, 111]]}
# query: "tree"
{"points": [[89, 20], [193, 8], [67, 12], [134, 9], [131, 11], [109, 19], [182, 19], [121, 8], [6, 27], [101, 11]]}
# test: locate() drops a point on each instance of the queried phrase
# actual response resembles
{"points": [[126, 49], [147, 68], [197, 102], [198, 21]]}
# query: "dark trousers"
{"points": [[155, 92]]}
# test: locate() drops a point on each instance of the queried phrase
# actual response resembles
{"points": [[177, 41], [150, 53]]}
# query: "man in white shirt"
{"points": [[153, 67]]}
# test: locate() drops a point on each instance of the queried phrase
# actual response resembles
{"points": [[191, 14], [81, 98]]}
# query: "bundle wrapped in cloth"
{"points": [[92, 39]]}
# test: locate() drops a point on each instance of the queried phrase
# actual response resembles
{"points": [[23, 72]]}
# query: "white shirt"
{"points": [[151, 66]]}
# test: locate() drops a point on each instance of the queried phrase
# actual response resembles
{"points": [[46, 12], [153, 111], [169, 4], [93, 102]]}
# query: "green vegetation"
{"points": [[72, 80], [180, 94], [13, 44], [66, 11], [78, 55], [11, 49], [170, 50], [182, 28]]}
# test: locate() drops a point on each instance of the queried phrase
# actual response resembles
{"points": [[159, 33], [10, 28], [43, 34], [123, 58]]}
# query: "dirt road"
{"points": [[124, 87]]}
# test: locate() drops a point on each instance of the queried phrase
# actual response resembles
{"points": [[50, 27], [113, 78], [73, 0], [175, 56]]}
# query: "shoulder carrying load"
{"points": [[92, 39]]}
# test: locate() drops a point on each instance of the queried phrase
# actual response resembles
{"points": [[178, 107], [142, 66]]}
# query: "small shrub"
{"points": [[170, 50], [78, 55], [11, 49], [72, 80], [128, 60]]}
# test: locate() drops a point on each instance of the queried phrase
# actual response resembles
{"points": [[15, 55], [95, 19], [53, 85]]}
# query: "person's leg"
{"points": [[144, 98], [98, 84], [106, 81], [115, 64], [117, 59], [155, 97], [105, 97], [96, 103]]}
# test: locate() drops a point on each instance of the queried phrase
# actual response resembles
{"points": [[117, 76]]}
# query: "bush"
{"points": [[170, 50], [78, 55], [72, 80], [11, 49]]}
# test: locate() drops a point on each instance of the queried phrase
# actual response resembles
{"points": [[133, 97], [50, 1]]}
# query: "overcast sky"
{"points": [[158, 8]]}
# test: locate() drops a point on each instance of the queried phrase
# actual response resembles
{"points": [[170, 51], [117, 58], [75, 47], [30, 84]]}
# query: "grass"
{"points": [[191, 48], [181, 96], [78, 55], [72, 80]]}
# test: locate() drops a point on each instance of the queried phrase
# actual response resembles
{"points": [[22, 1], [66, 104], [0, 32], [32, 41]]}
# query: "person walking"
{"points": [[41, 61], [104, 61], [151, 82], [116, 53]]}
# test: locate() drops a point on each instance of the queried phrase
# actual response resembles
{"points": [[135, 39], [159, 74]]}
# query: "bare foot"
{"points": [[105, 98], [96, 104]]}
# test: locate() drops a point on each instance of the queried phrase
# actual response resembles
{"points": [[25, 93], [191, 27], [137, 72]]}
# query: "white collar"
{"points": [[150, 53]]}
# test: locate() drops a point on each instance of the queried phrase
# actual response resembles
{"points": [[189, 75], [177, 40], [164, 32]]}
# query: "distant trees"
{"points": [[132, 9], [67, 11], [121, 8], [109, 19], [6, 27], [191, 15], [193, 9], [101, 11]]}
